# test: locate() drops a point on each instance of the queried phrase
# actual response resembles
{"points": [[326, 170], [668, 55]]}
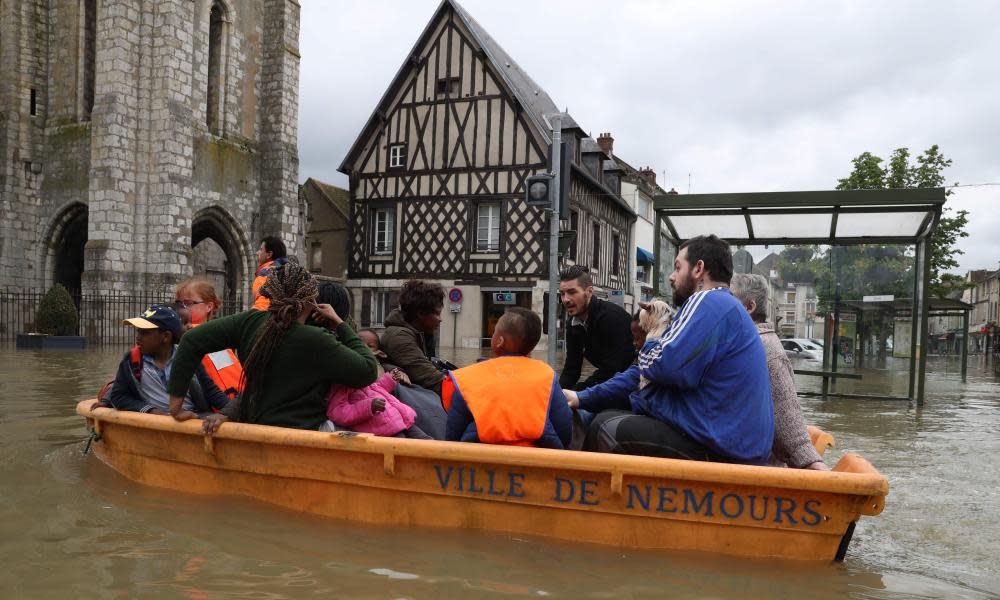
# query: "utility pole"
{"points": [[553, 331]]}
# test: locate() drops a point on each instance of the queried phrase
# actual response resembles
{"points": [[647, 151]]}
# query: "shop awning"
{"points": [[644, 257]]}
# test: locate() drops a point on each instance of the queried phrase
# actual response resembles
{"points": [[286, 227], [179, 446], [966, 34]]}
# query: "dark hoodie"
{"points": [[410, 350]]}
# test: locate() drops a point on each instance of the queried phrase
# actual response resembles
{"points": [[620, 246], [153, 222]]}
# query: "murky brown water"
{"points": [[70, 527]]}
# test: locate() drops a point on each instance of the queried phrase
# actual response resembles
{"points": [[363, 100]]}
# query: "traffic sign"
{"points": [[455, 295]]}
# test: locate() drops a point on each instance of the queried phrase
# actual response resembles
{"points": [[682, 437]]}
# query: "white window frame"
{"points": [[488, 234], [397, 156], [383, 234]]}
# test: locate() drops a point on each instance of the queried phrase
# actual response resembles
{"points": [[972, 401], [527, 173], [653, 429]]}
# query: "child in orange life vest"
{"points": [[374, 409], [510, 399], [198, 296]]}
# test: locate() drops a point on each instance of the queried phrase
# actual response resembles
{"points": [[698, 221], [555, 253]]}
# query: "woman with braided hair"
{"points": [[288, 366]]}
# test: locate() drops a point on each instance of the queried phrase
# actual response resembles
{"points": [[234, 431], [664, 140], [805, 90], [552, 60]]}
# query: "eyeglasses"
{"points": [[190, 303]]}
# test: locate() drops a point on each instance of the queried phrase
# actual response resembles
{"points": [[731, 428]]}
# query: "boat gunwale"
{"points": [[867, 483]]}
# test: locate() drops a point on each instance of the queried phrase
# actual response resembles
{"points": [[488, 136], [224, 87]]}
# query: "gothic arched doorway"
{"points": [[66, 245], [219, 253]]}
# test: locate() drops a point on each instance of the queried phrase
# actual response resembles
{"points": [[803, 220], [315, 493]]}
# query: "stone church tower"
{"points": [[132, 131]]}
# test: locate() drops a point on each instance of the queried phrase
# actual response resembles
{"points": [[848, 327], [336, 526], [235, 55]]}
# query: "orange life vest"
{"points": [[508, 397], [228, 377], [261, 302]]}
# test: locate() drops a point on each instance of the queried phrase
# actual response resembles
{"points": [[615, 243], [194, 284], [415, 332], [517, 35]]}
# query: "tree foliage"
{"points": [[875, 269], [901, 172], [56, 313]]}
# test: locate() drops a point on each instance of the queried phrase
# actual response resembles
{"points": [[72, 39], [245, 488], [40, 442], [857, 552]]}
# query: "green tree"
{"points": [[900, 172]]}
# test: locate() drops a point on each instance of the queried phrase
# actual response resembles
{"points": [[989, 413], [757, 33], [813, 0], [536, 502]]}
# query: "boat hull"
{"points": [[623, 501]]}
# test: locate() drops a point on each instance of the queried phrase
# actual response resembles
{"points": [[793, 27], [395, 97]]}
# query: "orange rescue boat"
{"points": [[623, 501]]}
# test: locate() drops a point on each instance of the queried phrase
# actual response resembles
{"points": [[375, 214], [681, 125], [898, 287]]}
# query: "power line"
{"points": [[973, 184]]}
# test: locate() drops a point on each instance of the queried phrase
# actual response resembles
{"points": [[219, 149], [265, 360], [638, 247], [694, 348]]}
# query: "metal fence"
{"points": [[101, 314]]}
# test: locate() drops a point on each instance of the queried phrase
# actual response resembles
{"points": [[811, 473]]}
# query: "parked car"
{"points": [[802, 349]]}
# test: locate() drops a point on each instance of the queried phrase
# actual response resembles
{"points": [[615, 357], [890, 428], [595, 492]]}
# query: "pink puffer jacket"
{"points": [[352, 408]]}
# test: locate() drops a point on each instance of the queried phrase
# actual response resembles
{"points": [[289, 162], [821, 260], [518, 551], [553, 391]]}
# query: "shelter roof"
{"points": [[906, 304], [898, 216]]}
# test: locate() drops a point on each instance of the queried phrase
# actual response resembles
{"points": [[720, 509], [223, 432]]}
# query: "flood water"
{"points": [[70, 527]]}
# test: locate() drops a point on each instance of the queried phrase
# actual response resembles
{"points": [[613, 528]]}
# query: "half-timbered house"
{"points": [[437, 186]]}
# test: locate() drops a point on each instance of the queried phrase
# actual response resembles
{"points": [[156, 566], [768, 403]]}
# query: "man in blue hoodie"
{"points": [[704, 392]]}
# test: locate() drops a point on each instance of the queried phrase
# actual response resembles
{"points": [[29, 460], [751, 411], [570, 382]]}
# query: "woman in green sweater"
{"points": [[287, 366]]}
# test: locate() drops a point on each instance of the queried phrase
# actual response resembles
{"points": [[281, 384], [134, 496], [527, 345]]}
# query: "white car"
{"points": [[802, 348]]}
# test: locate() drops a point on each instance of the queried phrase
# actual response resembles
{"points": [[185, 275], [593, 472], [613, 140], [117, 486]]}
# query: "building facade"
{"points": [[437, 187], [133, 130], [327, 228], [639, 187], [984, 296]]}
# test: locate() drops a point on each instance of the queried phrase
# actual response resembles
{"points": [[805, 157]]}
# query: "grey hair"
{"points": [[750, 287]]}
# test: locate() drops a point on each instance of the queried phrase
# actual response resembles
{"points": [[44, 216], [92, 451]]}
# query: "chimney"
{"points": [[606, 142], [673, 192], [649, 175]]}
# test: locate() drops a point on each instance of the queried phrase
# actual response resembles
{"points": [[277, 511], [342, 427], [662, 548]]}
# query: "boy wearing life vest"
{"points": [[141, 382], [510, 399]]}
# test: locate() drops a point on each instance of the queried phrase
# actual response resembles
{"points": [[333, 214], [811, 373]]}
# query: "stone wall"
{"points": [[152, 176]]}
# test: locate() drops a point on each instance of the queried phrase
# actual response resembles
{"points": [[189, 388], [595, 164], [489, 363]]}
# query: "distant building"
{"points": [[437, 187], [639, 187], [793, 311], [984, 296], [327, 228]]}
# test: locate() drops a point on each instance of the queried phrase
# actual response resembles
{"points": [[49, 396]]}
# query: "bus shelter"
{"points": [[936, 307], [828, 217]]}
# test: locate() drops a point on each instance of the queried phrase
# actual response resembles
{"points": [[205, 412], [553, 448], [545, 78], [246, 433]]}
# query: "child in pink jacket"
{"points": [[374, 409]]}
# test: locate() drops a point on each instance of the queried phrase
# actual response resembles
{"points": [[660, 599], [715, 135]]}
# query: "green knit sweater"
{"points": [[300, 372]]}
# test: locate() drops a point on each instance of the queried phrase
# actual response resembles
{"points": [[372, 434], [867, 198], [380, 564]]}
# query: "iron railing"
{"points": [[101, 314]]}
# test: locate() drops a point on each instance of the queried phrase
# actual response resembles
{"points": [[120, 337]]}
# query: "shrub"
{"points": [[56, 313]]}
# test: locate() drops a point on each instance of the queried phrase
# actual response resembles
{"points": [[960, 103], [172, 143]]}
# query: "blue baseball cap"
{"points": [[158, 317]]}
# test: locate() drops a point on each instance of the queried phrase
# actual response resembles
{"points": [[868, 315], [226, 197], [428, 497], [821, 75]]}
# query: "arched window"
{"points": [[88, 57], [216, 93]]}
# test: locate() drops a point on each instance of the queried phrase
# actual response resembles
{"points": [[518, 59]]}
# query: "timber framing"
{"points": [[461, 126]]}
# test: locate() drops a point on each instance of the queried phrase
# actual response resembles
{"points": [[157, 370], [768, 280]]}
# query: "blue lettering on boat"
{"points": [[706, 501], [567, 485], [588, 490], [635, 494], [666, 493], [495, 481], [739, 506]]}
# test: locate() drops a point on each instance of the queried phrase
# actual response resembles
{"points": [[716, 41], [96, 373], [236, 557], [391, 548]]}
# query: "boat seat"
{"points": [[821, 440]]}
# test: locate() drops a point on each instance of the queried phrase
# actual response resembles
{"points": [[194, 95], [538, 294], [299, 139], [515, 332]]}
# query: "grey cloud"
{"points": [[745, 96]]}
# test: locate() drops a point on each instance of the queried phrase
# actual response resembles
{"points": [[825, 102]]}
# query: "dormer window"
{"points": [[448, 86], [397, 156]]}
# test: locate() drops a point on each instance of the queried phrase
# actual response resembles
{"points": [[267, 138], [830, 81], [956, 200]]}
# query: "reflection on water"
{"points": [[71, 527]]}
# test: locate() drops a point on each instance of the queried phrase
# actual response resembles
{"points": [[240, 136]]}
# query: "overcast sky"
{"points": [[743, 96]]}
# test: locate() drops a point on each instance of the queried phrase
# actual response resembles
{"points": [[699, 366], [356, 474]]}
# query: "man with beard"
{"points": [[596, 329], [704, 389]]}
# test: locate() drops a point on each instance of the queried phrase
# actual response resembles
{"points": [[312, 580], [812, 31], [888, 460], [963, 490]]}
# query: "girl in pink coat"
{"points": [[374, 409]]}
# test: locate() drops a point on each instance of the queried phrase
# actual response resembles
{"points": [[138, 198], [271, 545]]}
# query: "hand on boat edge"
{"points": [[212, 422]]}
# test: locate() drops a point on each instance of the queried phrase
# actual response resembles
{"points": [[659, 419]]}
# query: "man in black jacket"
{"points": [[596, 329]]}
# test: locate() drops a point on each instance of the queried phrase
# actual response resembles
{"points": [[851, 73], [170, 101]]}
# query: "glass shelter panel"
{"points": [[791, 226], [724, 226], [891, 224]]}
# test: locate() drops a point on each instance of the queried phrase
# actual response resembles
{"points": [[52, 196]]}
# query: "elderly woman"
{"points": [[792, 445]]}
